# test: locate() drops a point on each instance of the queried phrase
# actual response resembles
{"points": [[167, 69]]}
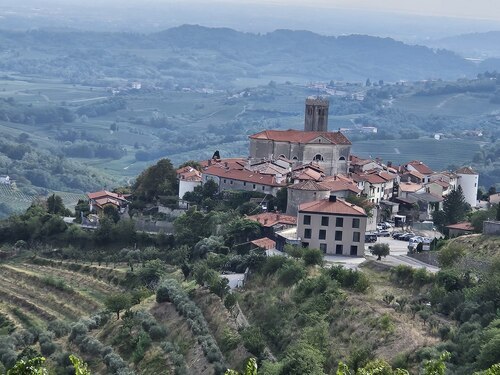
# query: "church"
{"points": [[330, 150]]}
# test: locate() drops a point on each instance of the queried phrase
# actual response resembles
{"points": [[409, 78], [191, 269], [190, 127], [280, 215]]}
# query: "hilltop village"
{"points": [[333, 196]]}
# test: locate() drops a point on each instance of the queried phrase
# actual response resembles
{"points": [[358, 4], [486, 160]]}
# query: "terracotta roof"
{"points": [[374, 179], [339, 207], [465, 226], [387, 176], [243, 175], [106, 194], [233, 163], [308, 174], [189, 174], [409, 187], [299, 136], [340, 185], [420, 167], [309, 185], [270, 219], [465, 170], [264, 243], [441, 183], [416, 174], [101, 202], [355, 160]]}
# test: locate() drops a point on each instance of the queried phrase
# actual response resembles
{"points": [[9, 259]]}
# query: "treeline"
{"points": [[461, 86], [11, 111], [94, 150]]}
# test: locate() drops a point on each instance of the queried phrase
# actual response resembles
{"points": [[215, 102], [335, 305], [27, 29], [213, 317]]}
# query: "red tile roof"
{"points": [[243, 175], [309, 185], [299, 136], [233, 163], [465, 170], [264, 243], [465, 226], [189, 174], [409, 187], [106, 194], [270, 219], [420, 167], [339, 207], [340, 185], [308, 174]]}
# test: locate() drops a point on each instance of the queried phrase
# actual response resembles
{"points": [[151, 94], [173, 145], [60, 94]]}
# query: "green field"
{"points": [[437, 154]]}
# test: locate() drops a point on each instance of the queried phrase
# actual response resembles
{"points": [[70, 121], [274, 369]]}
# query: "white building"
{"points": [[468, 180]]}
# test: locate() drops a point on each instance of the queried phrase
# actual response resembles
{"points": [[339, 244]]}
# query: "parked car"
{"points": [[406, 236], [383, 233], [380, 227], [396, 235], [370, 237]]}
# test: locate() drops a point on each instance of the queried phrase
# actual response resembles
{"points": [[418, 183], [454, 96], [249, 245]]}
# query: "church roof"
{"points": [[309, 185], [299, 136]]}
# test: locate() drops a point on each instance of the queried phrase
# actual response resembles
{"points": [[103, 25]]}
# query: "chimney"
{"points": [[209, 162], [333, 198], [225, 164]]}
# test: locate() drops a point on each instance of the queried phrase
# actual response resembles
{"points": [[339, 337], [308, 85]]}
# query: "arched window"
{"points": [[342, 158], [295, 158], [282, 156], [318, 157]]}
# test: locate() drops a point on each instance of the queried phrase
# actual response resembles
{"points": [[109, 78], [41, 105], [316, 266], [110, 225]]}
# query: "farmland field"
{"points": [[17, 201], [437, 154]]}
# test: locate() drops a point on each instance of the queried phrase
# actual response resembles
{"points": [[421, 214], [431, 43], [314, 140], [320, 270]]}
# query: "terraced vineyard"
{"points": [[44, 293], [17, 201]]}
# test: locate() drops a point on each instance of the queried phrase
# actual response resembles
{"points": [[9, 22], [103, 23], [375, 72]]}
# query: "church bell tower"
{"points": [[316, 117]]}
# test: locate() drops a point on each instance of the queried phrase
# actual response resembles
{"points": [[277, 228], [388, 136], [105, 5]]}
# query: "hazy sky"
{"points": [[479, 9]]}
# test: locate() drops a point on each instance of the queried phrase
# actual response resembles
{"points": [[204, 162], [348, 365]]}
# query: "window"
{"points": [[322, 247], [307, 219], [263, 187], [244, 183], [378, 190], [282, 156], [224, 180], [339, 249], [338, 235], [355, 223], [322, 234], [231, 182], [339, 222], [307, 233], [355, 237], [318, 157], [342, 158], [305, 244], [295, 158], [254, 186], [324, 221], [354, 250]]}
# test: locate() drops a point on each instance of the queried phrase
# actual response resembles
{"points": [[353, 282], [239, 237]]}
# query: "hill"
{"points": [[199, 51], [479, 45]]}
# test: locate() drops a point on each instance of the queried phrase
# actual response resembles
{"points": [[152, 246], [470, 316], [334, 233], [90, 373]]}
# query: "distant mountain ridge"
{"points": [[485, 45], [281, 52]]}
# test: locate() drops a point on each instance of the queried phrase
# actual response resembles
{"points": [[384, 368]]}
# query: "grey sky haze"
{"points": [[478, 9]]}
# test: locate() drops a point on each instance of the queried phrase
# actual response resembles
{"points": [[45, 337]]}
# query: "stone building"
{"points": [[329, 150], [333, 226]]}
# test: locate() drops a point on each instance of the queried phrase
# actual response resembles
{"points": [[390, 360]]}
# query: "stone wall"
{"points": [[491, 228]]}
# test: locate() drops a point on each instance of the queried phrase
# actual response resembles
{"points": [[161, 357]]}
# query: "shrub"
{"points": [[253, 340], [162, 295], [78, 330], [157, 332], [230, 340], [291, 273], [312, 257], [48, 348]]}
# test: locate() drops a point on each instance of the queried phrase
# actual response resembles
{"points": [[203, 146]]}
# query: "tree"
{"points": [[455, 207], [250, 368], [117, 302], [380, 250], [301, 358], [361, 202], [111, 212], [55, 205], [159, 179]]}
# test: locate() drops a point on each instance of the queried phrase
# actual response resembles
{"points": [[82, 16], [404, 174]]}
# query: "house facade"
{"points": [[333, 226]]}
